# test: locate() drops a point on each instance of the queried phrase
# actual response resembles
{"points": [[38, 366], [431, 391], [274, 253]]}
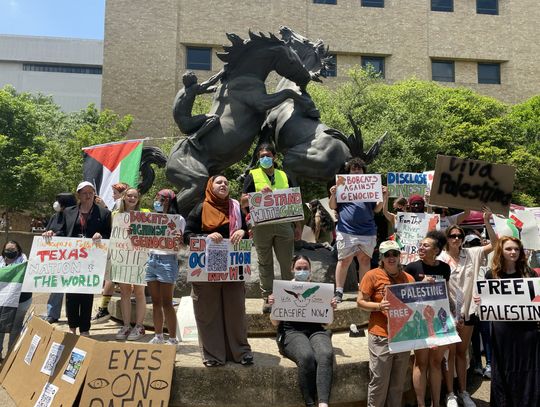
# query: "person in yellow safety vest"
{"points": [[281, 236]]}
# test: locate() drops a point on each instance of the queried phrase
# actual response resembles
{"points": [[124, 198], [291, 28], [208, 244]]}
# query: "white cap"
{"points": [[85, 184]]}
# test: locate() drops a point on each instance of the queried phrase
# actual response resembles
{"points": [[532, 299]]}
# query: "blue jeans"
{"points": [[54, 305], [162, 268]]}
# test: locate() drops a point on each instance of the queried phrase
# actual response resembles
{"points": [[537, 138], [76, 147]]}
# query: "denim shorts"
{"points": [[162, 268]]}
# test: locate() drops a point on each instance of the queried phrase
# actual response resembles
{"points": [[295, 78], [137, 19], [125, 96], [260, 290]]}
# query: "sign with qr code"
{"points": [[280, 206], [216, 262]]}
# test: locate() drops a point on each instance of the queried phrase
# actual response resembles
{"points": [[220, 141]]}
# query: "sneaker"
{"points": [[466, 399], [157, 340], [172, 341], [86, 333], [123, 333], [267, 308], [338, 296], [478, 370], [101, 316], [247, 360], [136, 333], [451, 400], [487, 372]]}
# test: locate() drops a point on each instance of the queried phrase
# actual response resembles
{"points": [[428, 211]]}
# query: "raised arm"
{"points": [[489, 229], [206, 86], [390, 217], [332, 202]]}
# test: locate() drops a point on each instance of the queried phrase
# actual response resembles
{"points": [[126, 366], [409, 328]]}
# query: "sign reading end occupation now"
{"points": [[66, 265], [358, 188]]}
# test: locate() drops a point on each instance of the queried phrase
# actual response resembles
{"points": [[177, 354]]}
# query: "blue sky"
{"points": [[53, 18]]}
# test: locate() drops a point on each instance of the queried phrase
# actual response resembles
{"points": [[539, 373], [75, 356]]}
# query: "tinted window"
{"points": [[376, 62], [91, 70], [489, 73], [442, 71], [199, 58], [487, 6], [372, 3], [442, 5], [325, 1]]}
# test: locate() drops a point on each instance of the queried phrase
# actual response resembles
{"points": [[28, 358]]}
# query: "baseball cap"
{"points": [[470, 238], [85, 184], [388, 245], [416, 198]]}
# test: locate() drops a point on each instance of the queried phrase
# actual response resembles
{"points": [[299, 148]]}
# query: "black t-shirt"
{"points": [[418, 269]]}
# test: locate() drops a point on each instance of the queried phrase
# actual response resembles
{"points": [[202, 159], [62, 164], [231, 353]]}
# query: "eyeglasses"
{"points": [[460, 236], [391, 253]]}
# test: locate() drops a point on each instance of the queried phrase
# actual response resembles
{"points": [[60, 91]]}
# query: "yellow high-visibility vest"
{"points": [[261, 179]]}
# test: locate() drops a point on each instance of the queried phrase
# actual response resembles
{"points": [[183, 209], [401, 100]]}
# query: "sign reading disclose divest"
{"points": [[358, 188], [470, 184], [66, 265], [406, 184], [280, 206]]}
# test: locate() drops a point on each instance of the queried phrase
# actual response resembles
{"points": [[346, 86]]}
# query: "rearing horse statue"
{"points": [[241, 102]]}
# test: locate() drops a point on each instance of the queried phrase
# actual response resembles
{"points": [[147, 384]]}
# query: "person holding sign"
{"points": [[428, 269], [87, 219], [356, 232], [465, 266], [388, 371], [309, 345], [219, 307], [161, 275], [515, 355], [277, 236]]}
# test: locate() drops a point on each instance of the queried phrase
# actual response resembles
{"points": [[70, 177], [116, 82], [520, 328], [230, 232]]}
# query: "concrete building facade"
{"points": [[67, 69], [491, 46]]}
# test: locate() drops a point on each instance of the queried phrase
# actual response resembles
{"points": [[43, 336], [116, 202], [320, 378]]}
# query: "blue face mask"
{"points": [[301, 275], [158, 206], [266, 162]]}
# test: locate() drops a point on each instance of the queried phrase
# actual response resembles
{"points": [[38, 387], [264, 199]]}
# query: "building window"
{"points": [[487, 7], [443, 71], [199, 58], [377, 64], [325, 1], [331, 71], [489, 73], [90, 70], [442, 5], [373, 3]]}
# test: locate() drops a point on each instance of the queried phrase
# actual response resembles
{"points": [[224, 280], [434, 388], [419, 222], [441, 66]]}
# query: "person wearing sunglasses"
{"points": [[387, 371], [465, 264]]}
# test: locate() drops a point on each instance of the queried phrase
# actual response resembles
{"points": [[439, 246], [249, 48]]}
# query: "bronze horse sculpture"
{"points": [[241, 102]]}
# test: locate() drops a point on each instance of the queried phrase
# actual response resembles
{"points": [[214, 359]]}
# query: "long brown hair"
{"points": [[449, 230], [497, 266]]}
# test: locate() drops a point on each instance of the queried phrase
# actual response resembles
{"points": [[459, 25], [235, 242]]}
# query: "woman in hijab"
{"points": [[220, 306]]}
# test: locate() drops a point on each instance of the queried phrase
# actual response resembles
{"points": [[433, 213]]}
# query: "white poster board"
{"points": [[279, 206], [358, 188]]}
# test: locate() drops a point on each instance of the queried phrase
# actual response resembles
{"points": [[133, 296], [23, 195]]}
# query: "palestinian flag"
{"points": [[11, 279], [108, 164]]}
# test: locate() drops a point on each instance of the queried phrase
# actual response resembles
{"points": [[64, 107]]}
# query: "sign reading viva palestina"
{"points": [[516, 299], [302, 301], [419, 316], [359, 188], [470, 184], [219, 262], [158, 231], [66, 265], [406, 184], [283, 205]]}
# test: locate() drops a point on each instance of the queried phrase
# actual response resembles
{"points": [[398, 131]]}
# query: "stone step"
{"points": [[258, 323]]}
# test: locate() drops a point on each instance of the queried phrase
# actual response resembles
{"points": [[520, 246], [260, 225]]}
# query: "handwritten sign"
{"points": [[302, 301], [359, 188], [520, 224], [158, 231], [470, 184], [406, 184], [280, 206], [66, 265], [236, 262], [419, 316], [411, 228]]}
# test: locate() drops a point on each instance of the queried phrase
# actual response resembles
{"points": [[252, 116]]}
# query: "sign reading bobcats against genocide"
{"points": [[66, 265], [359, 188], [516, 299], [302, 301], [419, 316], [217, 262], [406, 184], [283, 205], [158, 231], [470, 184]]}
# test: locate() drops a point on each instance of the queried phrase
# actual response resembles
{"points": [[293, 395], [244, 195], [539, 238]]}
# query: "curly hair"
{"points": [[498, 264], [355, 162], [327, 223]]}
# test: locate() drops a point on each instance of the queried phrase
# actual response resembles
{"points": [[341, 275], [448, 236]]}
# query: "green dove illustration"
{"points": [[302, 299]]}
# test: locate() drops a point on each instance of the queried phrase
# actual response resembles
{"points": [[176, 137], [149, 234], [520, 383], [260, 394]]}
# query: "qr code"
{"points": [[217, 261]]}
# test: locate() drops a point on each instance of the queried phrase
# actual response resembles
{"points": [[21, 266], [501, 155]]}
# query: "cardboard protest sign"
{"points": [[280, 206], [66, 265], [127, 262], [411, 228], [160, 231], [186, 328], [359, 188], [516, 299], [520, 224], [419, 316], [406, 184], [429, 180], [470, 184], [302, 301], [230, 264], [122, 374]]}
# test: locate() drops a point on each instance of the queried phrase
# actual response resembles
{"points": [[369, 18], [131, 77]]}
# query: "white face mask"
{"points": [[56, 206]]}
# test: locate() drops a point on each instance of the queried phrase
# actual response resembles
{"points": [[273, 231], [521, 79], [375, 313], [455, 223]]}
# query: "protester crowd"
{"points": [[452, 253]]}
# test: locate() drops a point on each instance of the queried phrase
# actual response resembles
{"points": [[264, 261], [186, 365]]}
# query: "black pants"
{"points": [[79, 311], [314, 357]]}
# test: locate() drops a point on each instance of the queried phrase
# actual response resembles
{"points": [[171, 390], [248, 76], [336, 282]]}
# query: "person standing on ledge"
{"points": [[280, 236], [356, 232]]}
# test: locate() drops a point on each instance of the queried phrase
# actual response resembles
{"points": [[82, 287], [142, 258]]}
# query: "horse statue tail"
{"points": [[149, 156]]}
